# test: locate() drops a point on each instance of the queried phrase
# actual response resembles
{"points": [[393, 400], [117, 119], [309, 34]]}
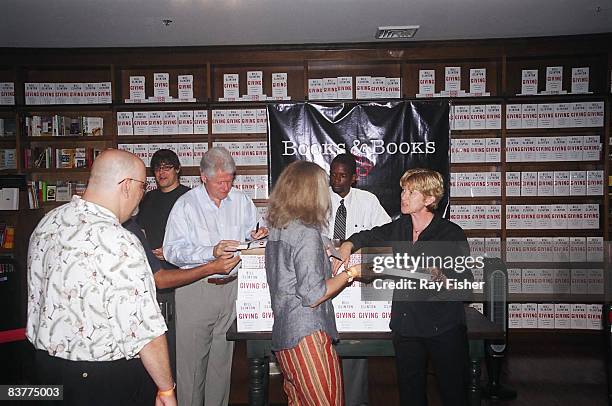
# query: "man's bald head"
{"points": [[112, 166]]}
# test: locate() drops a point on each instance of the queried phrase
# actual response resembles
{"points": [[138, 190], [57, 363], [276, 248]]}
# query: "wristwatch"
{"points": [[351, 274]]}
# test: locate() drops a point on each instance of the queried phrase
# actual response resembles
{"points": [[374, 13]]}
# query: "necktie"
{"points": [[340, 223]]}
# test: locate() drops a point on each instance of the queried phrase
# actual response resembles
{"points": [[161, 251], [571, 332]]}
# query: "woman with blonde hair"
{"points": [[301, 284], [426, 324]]}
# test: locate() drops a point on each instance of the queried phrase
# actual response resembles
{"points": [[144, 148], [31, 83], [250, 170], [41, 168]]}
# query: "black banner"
{"points": [[386, 138]]}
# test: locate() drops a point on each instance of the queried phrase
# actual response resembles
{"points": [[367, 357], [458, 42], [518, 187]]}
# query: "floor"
{"points": [[547, 369]]}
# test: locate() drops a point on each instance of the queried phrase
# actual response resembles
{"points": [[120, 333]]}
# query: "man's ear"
{"points": [[354, 179]]}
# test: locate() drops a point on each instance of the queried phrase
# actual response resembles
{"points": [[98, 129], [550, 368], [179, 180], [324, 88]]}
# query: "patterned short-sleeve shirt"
{"points": [[91, 293]]}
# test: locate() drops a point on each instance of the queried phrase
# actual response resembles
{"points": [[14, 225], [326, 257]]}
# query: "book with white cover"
{"points": [[255, 186], [530, 315], [575, 147], [170, 122], [513, 149], [479, 217], [544, 149], [580, 80], [493, 216], [513, 218], [478, 117], [315, 89], [185, 87], [452, 80], [528, 217], [594, 249], [529, 82], [255, 83], [199, 149], [105, 93], [141, 123], [31, 93], [554, 80], [233, 121], [563, 316], [279, 86], [528, 150], [62, 93], [76, 93], [219, 121], [161, 85], [492, 149], [543, 216], [529, 183], [427, 83], [248, 121], [90, 93], [261, 115], [591, 148], [594, 315], [462, 117], [362, 87], [513, 183], [562, 115], [231, 87], [142, 152], [476, 150], [577, 183], [393, 88], [47, 93], [492, 184], [595, 114], [7, 93], [513, 116], [185, 154], [578, 115], [156, 122], [345, 87], [578, 320], [185, 122], [200, 121], [330, 88], [248, 316], [577, 249], [125, 123], [591, 216], [493, 116], [562, 281], [515, 280], [515, 315], [529, 116], [377, 87], [546, 115], [478, 82], [546, 315], [546, 183], [595, 281], [575, 217], [137, 88], [559, 148]]}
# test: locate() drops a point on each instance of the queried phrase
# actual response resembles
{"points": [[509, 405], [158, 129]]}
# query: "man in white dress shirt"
{"points": [[205, 223], [353, 210]]}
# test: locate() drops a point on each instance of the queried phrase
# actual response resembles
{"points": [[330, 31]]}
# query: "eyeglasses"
{"points": [[163, 168], [143, 184]]}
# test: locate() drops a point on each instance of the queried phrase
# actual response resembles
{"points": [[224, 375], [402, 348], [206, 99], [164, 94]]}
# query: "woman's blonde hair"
{"points": [[429, 182], [300, 193]]}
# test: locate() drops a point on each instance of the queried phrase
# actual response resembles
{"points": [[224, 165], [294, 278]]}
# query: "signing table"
{"points": [[360, 344]]}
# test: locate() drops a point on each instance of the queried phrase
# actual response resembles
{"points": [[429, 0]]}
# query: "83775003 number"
{"points": [[31, 392]]}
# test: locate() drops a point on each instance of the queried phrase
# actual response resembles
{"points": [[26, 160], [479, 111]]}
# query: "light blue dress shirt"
{"points": [[196, 225]]}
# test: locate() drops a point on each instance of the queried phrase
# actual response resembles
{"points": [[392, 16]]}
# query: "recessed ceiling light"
{"points": [[167, 21], [397, 31]]}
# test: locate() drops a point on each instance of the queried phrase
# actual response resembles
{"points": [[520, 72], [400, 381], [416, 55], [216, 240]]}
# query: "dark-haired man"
{"points": [[353, 210], [152, 217]]}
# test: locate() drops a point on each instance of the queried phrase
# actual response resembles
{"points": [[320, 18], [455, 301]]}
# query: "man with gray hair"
{"points": [[205, 223]]}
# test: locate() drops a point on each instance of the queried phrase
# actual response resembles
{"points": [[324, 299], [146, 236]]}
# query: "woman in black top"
{"points": [[426, 323]]}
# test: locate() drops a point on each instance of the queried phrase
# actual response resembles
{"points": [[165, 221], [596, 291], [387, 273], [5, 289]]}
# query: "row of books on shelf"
{"points": [[254, 186], [8, 158], [579, 316], [60, 191], [8, 127], [7, 236], [254, 87], [224, 121], [59, 158], [556, 281], [452, 83], [190, 154], [5, 269], [56, 125], [68, 93], [366, 87]]}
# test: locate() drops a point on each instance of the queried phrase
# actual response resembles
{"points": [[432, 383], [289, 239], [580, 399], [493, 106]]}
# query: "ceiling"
{"points": [[135, 23]]}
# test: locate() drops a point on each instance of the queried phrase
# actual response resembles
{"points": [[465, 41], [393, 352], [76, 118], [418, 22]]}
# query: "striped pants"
{"points": [[311, 372]]}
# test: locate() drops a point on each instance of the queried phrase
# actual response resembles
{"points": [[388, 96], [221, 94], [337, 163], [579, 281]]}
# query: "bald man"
{"points": [[91, 296]]}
